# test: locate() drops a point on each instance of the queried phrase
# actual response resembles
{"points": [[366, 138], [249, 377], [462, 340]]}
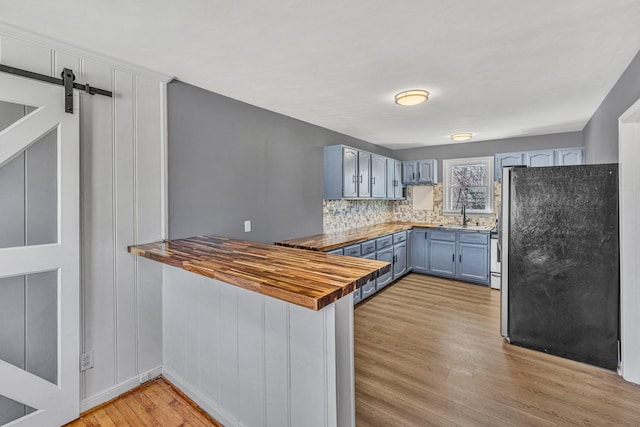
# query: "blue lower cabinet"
{"points": [[385, 255], [357, 296], [443, 258], [399, 260], [459, 255], [353, 250], [368, 289], [473, 263], [419, 250]]}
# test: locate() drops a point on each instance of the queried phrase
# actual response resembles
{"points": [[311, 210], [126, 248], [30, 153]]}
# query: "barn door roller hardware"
{"points": [[67, 81]]}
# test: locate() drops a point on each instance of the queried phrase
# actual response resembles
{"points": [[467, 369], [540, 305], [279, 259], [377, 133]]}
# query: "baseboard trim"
{"points": [[119, 389], [205, 404]]}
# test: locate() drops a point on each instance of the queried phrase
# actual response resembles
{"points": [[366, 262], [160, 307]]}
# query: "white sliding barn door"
{"points": [[39, 255]]}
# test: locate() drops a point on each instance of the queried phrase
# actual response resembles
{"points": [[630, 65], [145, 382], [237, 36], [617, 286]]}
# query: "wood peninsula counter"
{"points": [[260, 334], [306, 278]]}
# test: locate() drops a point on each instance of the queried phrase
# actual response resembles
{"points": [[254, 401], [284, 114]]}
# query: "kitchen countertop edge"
{"points": [[328, 241], [309, 279]]}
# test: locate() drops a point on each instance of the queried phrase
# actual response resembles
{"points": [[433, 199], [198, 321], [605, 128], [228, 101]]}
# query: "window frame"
{"points": [[447, 166]]}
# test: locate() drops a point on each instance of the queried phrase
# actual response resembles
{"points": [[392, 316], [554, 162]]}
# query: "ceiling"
{"points": [[497, 68]]}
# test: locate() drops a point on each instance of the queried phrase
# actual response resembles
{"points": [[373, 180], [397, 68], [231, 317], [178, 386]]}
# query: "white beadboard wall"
{"points": [[252, 360], [123, 173]]}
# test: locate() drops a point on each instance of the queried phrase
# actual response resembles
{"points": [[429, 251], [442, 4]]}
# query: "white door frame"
{"points": [[629, 192], [55, 404]]}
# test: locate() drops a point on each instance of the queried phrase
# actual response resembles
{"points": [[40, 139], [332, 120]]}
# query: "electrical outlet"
{"points": [[86, 360], [144, 377], [247, 226]]}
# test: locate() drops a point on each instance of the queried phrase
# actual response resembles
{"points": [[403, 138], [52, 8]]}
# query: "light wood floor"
{"points": [[155, 403], [428, 351]]}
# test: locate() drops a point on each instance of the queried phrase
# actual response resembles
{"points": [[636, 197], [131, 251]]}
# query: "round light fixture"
{"points": [[412, 97], [459, 137]]}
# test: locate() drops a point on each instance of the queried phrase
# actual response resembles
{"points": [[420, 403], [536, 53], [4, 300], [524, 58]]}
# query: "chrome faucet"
{"points": [[464, 215]]}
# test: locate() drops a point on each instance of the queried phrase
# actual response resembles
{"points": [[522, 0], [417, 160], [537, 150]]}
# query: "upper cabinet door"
{"points": [[570, 156], [541, 158], [364, 171], [378, 176], [350, 172], [397, 186], [507, 159], [391, 179], [409, 172], [427, 171]]}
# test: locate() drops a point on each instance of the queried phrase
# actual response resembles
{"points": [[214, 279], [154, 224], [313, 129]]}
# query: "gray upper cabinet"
{"points": [[394, 179], [502, 160], [346, 173], [538, 158], [427, 171], [541, 158], [409, 172], [350, 173], [378, 176], [570, 156], [418, 172], [364, 174]]}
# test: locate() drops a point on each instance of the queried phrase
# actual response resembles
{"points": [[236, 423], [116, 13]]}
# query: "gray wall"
{"points": [[230, 162], [489, 148], [601, 132]]}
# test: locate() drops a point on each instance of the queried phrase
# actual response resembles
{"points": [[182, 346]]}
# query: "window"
{"points": [[468, 182]]}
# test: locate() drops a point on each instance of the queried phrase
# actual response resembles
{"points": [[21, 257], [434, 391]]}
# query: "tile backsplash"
{"points": [[340, 215]]}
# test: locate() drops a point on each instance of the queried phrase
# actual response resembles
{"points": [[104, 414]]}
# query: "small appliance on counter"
{"points": [[560, 264]]}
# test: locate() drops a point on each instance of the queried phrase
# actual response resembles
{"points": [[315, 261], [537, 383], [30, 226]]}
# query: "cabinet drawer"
{"points": [[368, 289], [400, 237], [353, 250], [384, 242], [368, 247], [338, 251], [479, 238], [448, 236]]}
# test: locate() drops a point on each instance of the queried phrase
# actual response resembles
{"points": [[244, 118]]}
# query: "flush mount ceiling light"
{"points": [[464, 136], [412, 97]]}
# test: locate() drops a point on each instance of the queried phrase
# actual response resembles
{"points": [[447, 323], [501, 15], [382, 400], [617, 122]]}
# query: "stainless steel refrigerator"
{"points": [[560, 263]]}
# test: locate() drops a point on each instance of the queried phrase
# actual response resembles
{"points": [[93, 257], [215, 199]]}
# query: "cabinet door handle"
{"points": [[418, 176], [460, 258], [361, 179], [373, 179], [354, 179], [453, 257], [413, 175]]}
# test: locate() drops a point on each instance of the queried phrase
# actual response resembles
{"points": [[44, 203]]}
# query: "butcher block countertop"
{"points": [[327, 241], [305, 278]]}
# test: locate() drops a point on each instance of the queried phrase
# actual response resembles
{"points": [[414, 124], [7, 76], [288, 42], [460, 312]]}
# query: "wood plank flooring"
{"points": [[428, 351], [155, 403]]}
